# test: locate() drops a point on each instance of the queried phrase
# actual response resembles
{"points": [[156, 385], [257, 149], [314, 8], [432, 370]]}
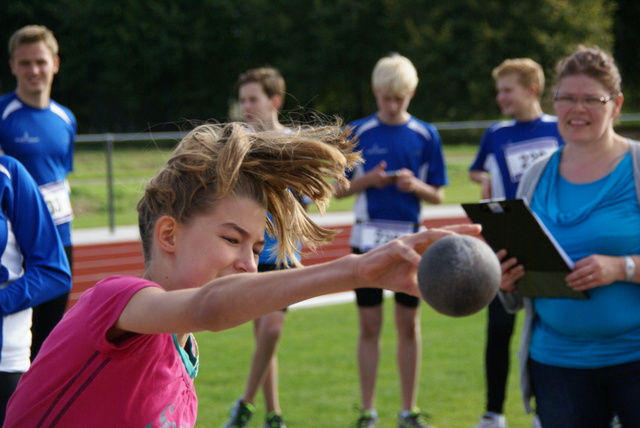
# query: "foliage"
{"points": [[460, 42], [627, 39], [135, 65]]}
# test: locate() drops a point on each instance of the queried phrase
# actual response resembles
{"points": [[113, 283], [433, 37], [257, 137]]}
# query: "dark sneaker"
{"points": [[415, 419], [274, 420], [366, 420], [240, 415]]}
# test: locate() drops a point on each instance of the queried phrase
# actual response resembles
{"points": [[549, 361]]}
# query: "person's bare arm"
{"points": [[236, 299], [478, 176], [484, 179]]}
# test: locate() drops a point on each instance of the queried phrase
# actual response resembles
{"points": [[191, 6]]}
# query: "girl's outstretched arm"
{"points": [[235, 299]]}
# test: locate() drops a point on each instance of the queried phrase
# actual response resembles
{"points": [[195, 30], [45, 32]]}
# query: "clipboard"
{"points": [[511, 225]]}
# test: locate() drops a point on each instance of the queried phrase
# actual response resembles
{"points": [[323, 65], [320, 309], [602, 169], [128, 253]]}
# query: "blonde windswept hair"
{"points": [[215, 161]]}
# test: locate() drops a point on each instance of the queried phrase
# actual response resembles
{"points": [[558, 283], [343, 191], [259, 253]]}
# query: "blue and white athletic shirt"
{"points": [[508, 148], [42, 140], [415, 145], [33, 265]]}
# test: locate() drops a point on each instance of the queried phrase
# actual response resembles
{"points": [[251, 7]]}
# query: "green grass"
{"points": [[133, 167], [318, 372]]}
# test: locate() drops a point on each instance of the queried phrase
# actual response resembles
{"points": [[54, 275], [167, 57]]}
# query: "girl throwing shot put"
{"points": [[124, 355]]}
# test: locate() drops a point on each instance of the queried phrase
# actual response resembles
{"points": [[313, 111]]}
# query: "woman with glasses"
{"points": [[580, 358]]}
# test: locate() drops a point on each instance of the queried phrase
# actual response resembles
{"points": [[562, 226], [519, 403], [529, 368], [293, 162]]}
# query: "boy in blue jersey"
{"points": [[40, 133], [33, 269], [404, 165], [506, 151]]}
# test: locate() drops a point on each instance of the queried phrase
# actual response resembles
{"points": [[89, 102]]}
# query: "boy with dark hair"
{"points": [[261, 92]]}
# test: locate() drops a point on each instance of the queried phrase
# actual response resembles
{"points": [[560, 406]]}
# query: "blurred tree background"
{"points": [[135, 65]]}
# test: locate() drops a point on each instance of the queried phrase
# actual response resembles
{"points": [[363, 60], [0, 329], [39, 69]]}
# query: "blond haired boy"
{"points": [[404, 166]]}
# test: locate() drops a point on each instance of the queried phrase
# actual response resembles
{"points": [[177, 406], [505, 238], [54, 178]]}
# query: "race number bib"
{"points": [[377, 233], [56, 195], [520, 156]]}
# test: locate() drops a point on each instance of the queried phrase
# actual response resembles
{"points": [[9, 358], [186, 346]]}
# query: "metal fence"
{"points": [[109, 139]]}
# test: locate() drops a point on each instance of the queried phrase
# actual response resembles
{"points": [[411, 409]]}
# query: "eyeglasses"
{"points": [[567, 101]]}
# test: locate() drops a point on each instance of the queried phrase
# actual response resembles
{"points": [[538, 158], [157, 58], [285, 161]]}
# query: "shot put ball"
{"points": [[459, 275]]}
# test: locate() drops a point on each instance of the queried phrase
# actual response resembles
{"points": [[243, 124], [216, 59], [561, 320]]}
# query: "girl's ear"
{"points": [[165, 233]]}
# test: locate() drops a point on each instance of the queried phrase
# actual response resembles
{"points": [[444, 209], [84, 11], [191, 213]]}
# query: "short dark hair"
{"points": [[269, 78]]}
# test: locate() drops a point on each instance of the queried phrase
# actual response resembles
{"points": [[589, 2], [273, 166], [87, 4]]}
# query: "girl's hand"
{"points": [[394, 266]]}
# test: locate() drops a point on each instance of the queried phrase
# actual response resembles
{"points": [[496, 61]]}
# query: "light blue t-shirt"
{"points": [[601, 217]]}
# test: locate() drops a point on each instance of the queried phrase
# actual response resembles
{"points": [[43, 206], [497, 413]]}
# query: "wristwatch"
{"points": [[629, 268]]}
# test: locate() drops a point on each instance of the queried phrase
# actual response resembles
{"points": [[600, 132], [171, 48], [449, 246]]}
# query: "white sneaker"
{"points": [[492, 420], [535, 422], [615, 423]]}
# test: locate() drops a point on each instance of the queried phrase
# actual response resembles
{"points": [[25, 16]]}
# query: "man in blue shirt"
{"points": [[506, 150], [40, 133], [403, 166], [33, 269]]}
